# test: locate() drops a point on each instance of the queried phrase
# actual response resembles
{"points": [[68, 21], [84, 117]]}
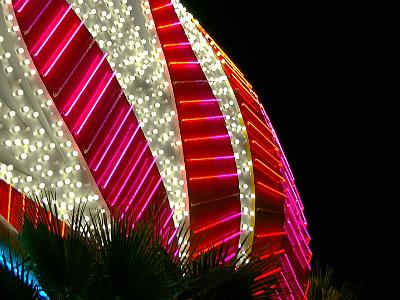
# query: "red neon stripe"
{"points": [[211, 158], [169, 25], [9, 203], [212, 137], [269, 169], [173, 45], [268, 273], [266, 187], [179, 63], [213, 176], [226, 219], [272, 234], [162, 6], [202, 119]]}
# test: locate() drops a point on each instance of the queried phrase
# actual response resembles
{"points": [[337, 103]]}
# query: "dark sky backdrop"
{"points": [[301, 62]]}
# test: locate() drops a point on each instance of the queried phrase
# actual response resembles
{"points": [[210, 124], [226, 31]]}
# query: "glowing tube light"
{"points": [[53, 62], [199, 101], [38, 17], [169, 25], [137, 177], [272, 234], [183, 63], [256, 117], [162, 6], [122, 155], [139, 186], [87, 79], [211, 158], [226, 219], [176, 45], [217, 244], [270, 189], [50, 34], [263, 135], [269, 273], [202, 119], [100, 129], [211, 137], [130, 173], [55, 94], [148, 199], [95, 104], [22, 6], [213, 176], [266, 152], [270, 170], [112, 140]]}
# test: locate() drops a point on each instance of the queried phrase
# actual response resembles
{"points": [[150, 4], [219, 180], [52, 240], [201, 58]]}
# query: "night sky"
{"points": [[301, 62]]}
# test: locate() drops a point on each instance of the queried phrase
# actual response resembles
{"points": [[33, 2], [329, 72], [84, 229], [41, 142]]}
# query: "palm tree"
{"points": [[113, 259], [323, 286]]}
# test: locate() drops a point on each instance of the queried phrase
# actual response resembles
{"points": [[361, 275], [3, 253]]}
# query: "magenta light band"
{"points": [[286, 283], [55, 94], [299, 290], [132, 186], [130, 172], [53, 62], [100, 129], [47, 35], [140, 185], [168, 219], [122, 155], [95, 103], [112, 140], [22, 6], [148, 199], [38, 17], [87, 78], [229, 257], [301, 258], [172, 237]]}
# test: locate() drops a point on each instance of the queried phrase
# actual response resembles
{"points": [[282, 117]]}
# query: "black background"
{"points": [[306, 65]]}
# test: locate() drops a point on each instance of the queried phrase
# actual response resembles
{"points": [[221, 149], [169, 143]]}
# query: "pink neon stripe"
{"points": [[140, 185], [130, 173], [168, 219], [81, 90], [95, 104], [148, 199], [298, 287], [229, 257], [22, 6], [38, 17], [288, 286], [112, 140], [183, 63], [74, 69], [49, 35], [214, 176], [137, 177], [53, 62], [203, 118], [172, 236], [121, 156], [104, 122]]}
